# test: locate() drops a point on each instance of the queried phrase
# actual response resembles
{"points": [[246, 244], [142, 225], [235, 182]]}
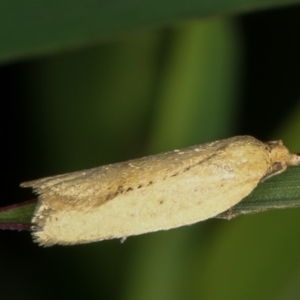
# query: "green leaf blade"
{"points": [[17, 216], [31, 28]]}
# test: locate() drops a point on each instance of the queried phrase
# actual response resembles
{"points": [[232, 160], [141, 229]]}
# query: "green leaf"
{"points": [[34, 27], [17, 216]]}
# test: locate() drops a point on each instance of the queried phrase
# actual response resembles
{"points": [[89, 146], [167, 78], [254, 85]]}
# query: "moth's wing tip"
{"points": [[25, 184], [42, 241], [29, 184], [40, 237]]}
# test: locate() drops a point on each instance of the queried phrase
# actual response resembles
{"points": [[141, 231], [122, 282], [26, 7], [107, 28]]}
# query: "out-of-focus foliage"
{"points": [[33, 27]]}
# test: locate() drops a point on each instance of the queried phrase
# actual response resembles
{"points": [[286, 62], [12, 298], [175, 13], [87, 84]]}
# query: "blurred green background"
{"points": [[139, 92]]}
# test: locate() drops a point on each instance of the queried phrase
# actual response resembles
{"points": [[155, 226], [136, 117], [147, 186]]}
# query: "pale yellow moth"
{"points": [[153, 193]]}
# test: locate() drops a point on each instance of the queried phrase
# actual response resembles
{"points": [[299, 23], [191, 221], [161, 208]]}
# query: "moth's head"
{"points": [[280, 155]]}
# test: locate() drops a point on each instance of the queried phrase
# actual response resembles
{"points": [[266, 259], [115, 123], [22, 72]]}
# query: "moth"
{"points": [[157, 192]]}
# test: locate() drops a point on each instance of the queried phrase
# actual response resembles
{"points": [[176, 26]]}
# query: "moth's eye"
{"points": [[277, 167]]}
